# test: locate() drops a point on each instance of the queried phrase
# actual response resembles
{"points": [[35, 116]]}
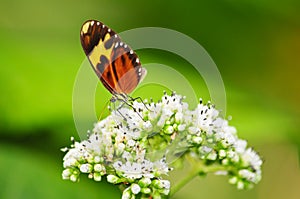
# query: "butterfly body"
{"points": [[115, 63]]}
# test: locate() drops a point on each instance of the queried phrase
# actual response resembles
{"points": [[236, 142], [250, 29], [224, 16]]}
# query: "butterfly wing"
{"points": [[126, 67], [115, 63]]}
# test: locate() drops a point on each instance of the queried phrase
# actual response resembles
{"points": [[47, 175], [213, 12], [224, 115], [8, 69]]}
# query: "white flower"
{"points": [[244, 173], [181, 127], [147, 126], [250, 157], [193, 130], [155, 111], [161, 166], [240, 146], [179, 117], [166, 184], [70, 161], [131, 143], [122, 147], [205, 149]]}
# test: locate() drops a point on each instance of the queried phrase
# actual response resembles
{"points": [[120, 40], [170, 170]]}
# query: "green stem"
{"points": [[183, 182], [199, 167]]}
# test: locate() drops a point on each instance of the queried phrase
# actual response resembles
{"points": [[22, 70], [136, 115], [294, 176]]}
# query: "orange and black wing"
{"points": [[116, 64]]}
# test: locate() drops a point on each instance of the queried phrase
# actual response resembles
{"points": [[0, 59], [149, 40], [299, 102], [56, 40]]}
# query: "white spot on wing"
{"points": [[103, 25], [140, 70], [143, 74], [125, 46], [109, 30], [98, 23], [121, 43], [116, 35], [116, 45], [137, 60], [92, 23], [131, 51]]}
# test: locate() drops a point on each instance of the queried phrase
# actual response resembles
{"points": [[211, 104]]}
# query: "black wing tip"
{"points": [[90, 23]]}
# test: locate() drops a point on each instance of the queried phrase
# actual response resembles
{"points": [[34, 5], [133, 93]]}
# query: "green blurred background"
{"points": [[255, 44]]}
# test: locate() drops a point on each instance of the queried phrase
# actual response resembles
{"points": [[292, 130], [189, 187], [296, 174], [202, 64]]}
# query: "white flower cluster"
{"points": [[217, 143], [131, 147]]}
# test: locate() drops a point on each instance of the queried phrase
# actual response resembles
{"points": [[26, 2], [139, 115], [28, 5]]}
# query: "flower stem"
{"points": [[183, 182], [198, 168]]}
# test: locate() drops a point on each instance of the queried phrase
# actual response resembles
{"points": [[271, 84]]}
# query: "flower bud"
{"points": [[97, 177], [233, 180], [146, 190], [112, 179], [197, 140], [135, 189], [126, 194], [240, 185], [98, 159], [222, 153], [86, 168], [169, 130], [74, 178], [98, 167], [144, 182], [66, 174], [212, 156]]}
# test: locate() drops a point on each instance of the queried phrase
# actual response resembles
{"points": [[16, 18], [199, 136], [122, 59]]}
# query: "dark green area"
{"points": [[255, 45]]}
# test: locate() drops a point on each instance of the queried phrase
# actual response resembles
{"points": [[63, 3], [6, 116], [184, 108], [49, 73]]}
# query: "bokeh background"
{"points": [[255, 44]]}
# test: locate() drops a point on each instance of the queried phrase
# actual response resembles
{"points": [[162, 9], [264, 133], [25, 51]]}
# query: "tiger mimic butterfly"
{"points": [[115, 63]]}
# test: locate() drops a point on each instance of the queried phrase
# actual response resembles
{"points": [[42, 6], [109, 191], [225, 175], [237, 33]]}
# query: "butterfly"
{"points": [[115, 63]]}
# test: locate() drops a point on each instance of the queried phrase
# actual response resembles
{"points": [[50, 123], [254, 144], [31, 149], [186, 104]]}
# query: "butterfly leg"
{"points": [[113, 101], [118, 110], [131, 106], [131, 99]]}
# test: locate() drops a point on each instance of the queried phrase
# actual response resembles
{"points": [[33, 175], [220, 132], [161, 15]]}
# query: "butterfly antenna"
{"points": [[102, 111]]}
